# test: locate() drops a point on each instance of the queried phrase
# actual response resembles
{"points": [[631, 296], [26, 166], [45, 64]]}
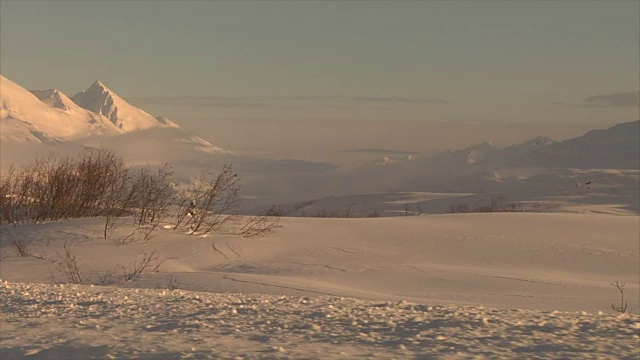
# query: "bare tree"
{"points": [[152, 194], [622, 308], [211, 197], [70, 266], [261, 225], [136, 268], [18, 243]]}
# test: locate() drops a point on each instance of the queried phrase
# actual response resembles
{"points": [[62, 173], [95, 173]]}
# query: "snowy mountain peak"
{"points": [[40, 115], [54, 98], [100, 99]]}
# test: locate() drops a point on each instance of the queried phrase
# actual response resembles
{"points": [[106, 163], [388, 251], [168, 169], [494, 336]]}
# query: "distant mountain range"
{"points": [[617, 147]]}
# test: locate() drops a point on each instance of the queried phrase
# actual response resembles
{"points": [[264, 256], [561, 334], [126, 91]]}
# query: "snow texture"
{"points": [[82, 322]]}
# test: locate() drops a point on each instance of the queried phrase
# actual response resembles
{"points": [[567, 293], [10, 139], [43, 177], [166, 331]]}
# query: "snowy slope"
{"points": [[23, 116], [505, 260], [100, 99]]}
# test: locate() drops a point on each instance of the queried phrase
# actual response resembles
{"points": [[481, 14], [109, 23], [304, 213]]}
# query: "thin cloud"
{"points": [[284, 102], [199, 101], [624, 99], [631, 98], [367, 99]]}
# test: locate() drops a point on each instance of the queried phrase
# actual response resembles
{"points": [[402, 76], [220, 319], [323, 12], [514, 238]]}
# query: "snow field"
{"points": [[49, 321]]}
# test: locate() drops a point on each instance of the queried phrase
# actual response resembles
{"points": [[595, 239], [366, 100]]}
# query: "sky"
{"points": [[485, 64]]}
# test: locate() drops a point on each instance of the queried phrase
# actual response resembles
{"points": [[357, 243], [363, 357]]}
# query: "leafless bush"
{"points": [[99, 183], [373, 214], [460, 208], [153, 194], [117, 197], [51, 189], [622, 308], [261, 225], [106, 278], [94, 183], [137, 267], [338, 213], [8, 209], [69, 266], [209, 199], [142, 233], [173, 283], [19, 244], [148, 196], [496, 207]]}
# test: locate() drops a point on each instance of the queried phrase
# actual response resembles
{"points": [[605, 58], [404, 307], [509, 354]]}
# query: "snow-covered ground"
{"points": [[83, 322], [442, 286]]}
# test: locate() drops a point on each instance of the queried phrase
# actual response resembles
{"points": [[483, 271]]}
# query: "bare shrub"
{"points": [[148, 197], [373, 214], [99, 183], [18, 243], [152, 195], [261, 225], [137, 267], [459, 208], [622, 308], [106, 278], [69, 266], [51, 189], [496, 207], [117, 196], [173, 283], [210, 198], [184, 209], [94, 183], [8, 198]]}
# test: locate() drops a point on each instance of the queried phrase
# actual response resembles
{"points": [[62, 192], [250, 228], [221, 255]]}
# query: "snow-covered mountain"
{"points": [[101, 100], [617, 147], [54, 98], [46, 116]]}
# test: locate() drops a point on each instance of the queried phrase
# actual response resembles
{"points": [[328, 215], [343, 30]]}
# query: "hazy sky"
{"points": [[571, 62]]}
